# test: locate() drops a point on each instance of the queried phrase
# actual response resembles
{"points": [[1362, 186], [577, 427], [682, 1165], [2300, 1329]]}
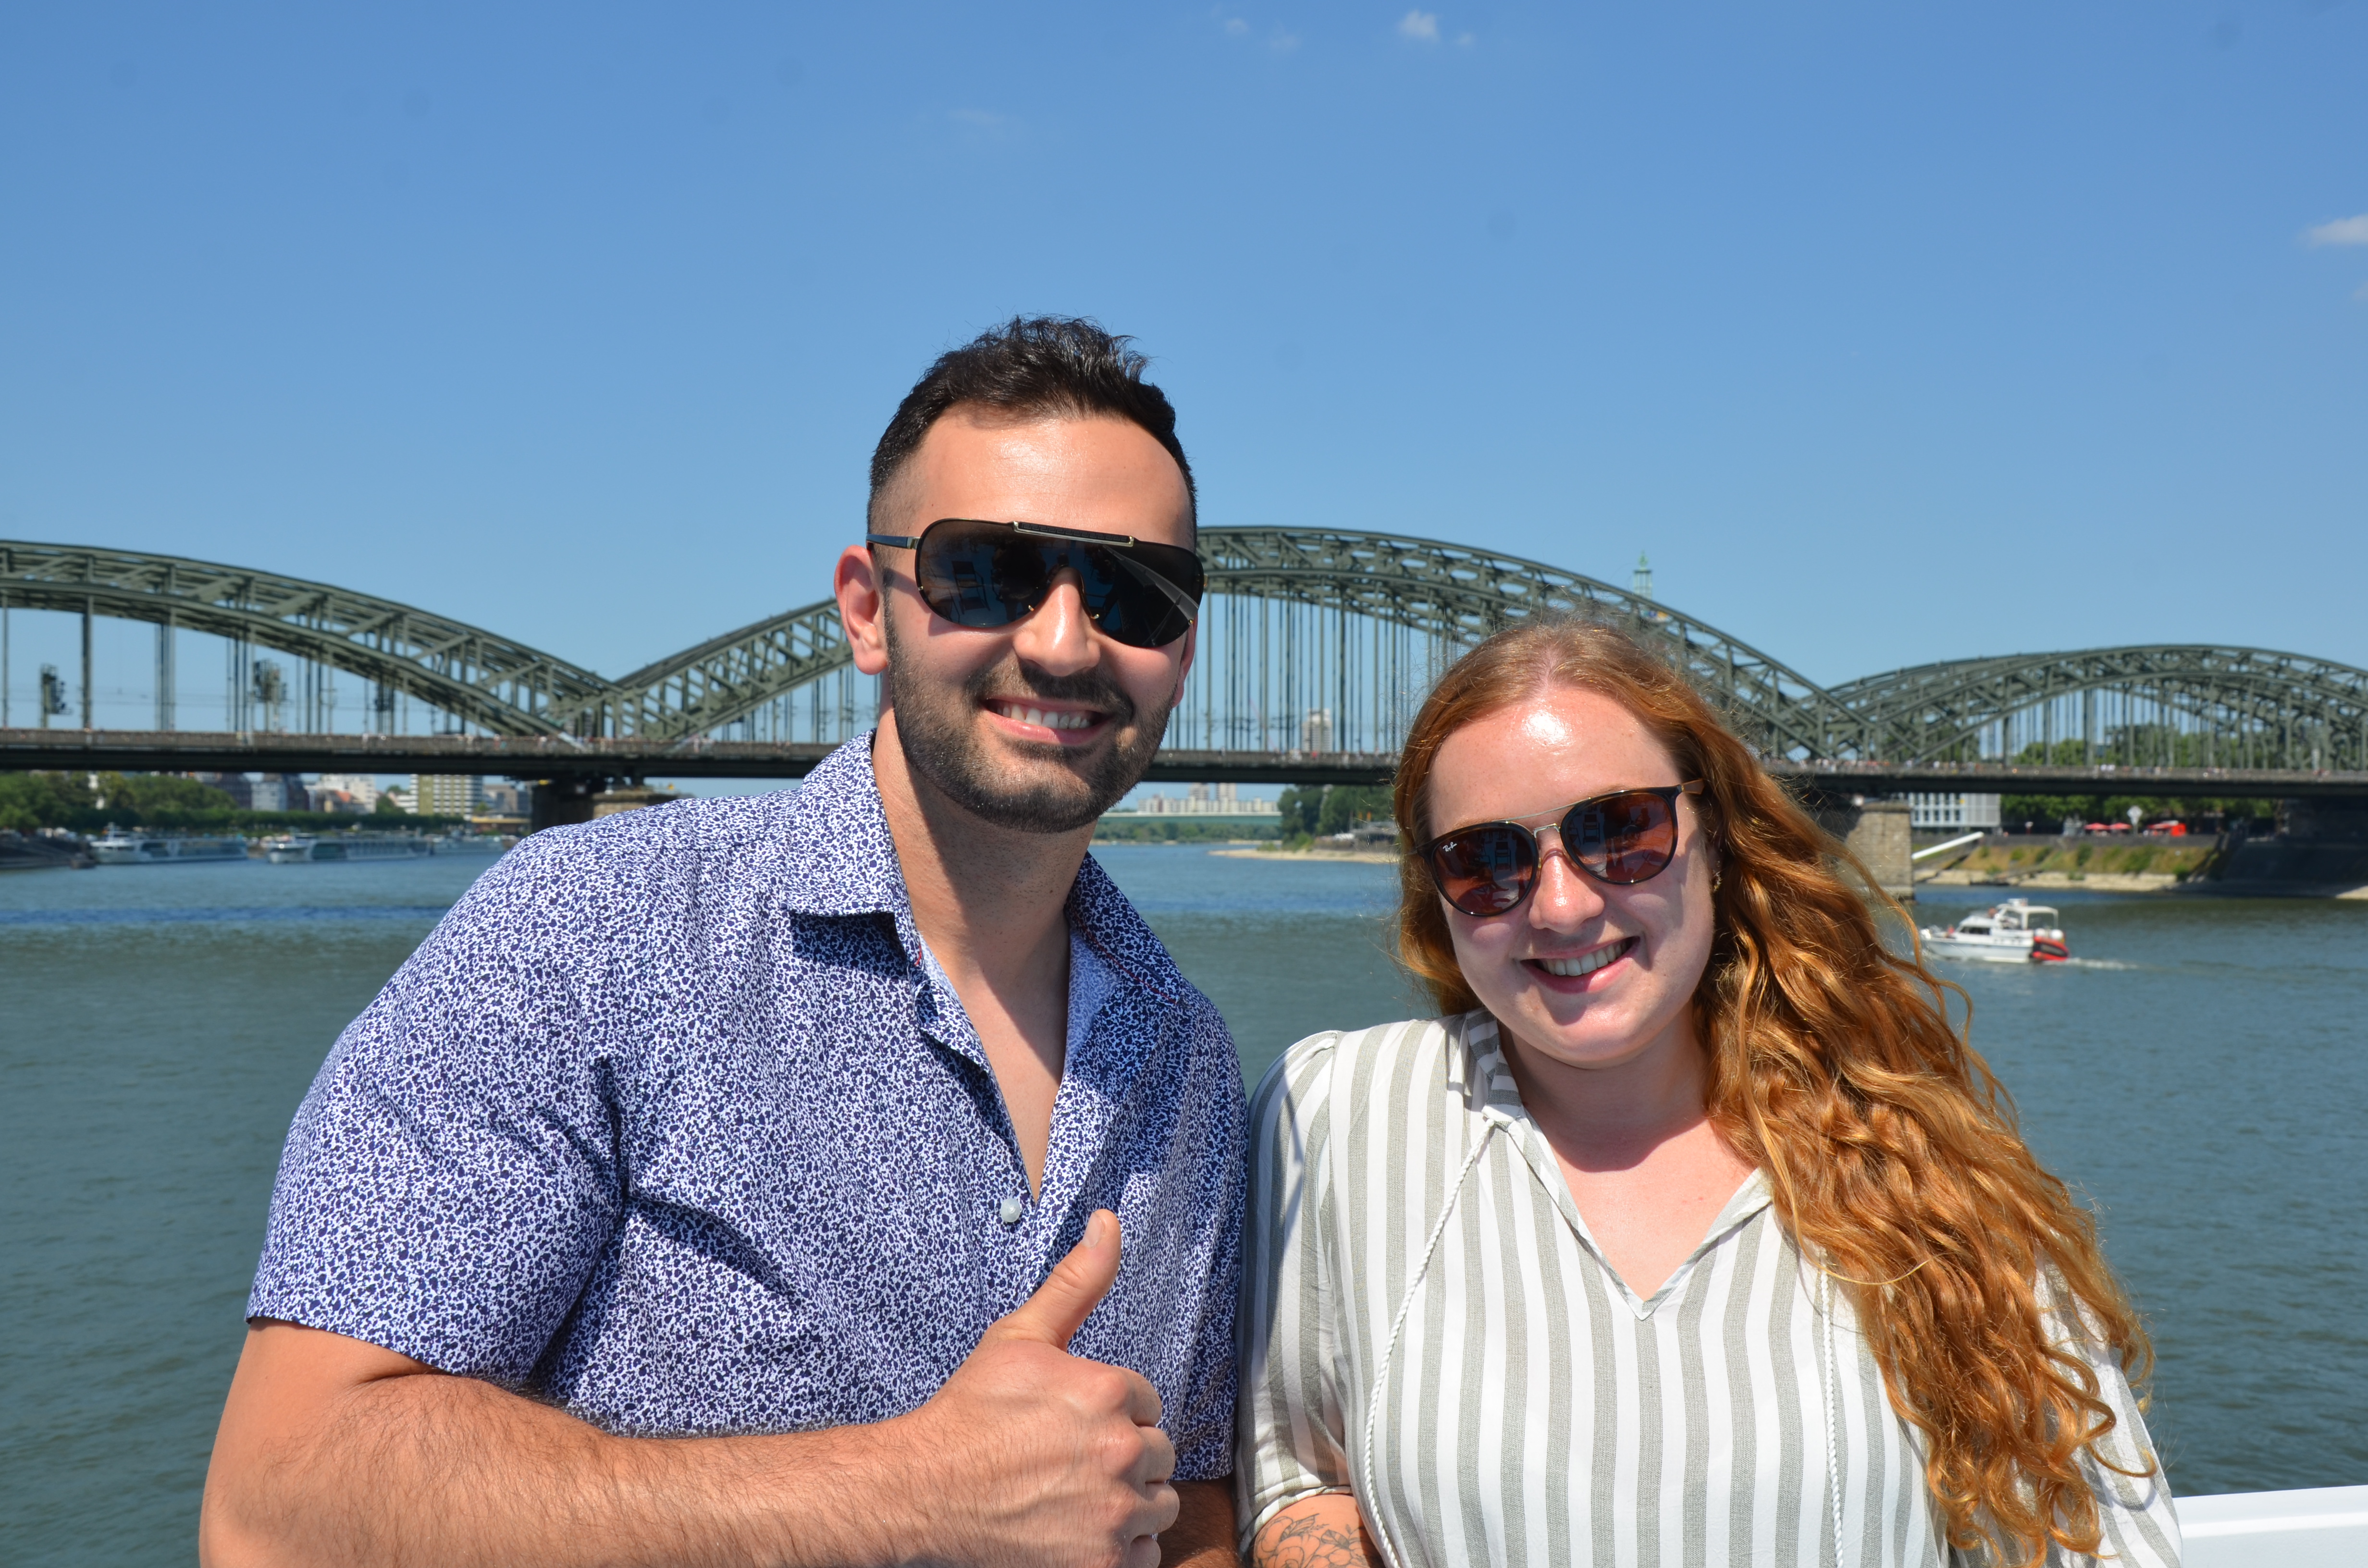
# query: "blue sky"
{"points": [[1892, 333]]}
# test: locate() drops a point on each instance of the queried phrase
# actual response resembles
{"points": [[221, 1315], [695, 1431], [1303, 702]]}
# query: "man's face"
{"points": [[1041, 725]]}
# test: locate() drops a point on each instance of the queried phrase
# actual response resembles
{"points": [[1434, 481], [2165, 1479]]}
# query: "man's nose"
{"points": [[1058, 639], [1566, 897]]}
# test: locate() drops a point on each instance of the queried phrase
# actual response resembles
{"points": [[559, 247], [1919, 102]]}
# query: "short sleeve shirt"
{"points": [[675, 1120]]}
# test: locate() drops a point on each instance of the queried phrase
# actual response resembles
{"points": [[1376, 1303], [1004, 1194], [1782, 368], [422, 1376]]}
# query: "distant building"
{"points": [[344, 793], [1952, 810], [1200, 801], [260, 793], [448, 794]]}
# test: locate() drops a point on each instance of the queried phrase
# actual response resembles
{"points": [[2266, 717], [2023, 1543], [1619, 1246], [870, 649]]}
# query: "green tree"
{"points": [[162, 800], [1346, 805], [29, 801]]}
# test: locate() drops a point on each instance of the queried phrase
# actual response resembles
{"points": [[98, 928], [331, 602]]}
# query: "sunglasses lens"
{"points": [[1486, 870], [1624, 839], [979, 576], [1128, 609]]}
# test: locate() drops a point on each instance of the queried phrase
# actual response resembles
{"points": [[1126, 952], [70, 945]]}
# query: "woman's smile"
{"points": [[1589, 971]]}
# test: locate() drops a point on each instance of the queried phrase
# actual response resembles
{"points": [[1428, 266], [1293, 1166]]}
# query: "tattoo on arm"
{"points": [[1310, 1542]]}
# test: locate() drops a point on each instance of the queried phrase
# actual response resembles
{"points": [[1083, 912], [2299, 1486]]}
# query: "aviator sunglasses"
{"points": [[986, 575], [1625, 838]]}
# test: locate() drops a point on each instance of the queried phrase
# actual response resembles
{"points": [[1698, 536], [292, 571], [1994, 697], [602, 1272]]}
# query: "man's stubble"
{"points": [[938, 733]]}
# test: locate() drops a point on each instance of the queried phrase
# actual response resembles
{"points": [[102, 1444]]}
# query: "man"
{"points": [[747, 1180]]}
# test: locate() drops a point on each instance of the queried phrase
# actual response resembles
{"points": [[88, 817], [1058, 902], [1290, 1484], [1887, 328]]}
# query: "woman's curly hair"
{"points": [[1891, 1150]]}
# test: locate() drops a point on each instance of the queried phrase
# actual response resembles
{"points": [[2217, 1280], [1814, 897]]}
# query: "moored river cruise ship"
{"points": [[292, 849], [118, 848]]}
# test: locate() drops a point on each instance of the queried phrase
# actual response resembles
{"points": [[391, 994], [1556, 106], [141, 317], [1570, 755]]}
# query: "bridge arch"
{"points": [[477, 676], [2157, 704], [1309, 635]]}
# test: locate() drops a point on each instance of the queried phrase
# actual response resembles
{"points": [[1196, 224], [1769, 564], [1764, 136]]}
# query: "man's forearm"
{"points": [[1202, 1535], [433, 1470]]}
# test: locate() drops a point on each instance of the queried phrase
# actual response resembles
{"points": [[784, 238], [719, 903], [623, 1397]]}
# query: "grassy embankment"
{"points": [[2075, 860]]}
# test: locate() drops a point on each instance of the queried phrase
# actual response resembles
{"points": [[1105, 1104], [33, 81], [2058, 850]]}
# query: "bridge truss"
{"points": [[1314, 643], [2161, 705]]}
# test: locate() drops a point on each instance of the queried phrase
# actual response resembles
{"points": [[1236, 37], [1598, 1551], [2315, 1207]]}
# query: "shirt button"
{"points": [[1013, 1209]]}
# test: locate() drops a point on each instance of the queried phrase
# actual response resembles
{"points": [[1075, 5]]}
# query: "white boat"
{"points": [[118, 848], [2013, 932], [296, 848]]}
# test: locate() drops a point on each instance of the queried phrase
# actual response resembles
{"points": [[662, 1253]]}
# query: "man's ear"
{"points": [[861, 590]]}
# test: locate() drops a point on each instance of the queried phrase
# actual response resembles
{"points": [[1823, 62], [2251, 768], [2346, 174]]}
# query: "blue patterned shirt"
{"points": [[676, 1121]]}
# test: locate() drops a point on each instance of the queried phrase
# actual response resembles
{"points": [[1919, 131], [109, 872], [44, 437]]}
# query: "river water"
{"points": [[2199, 1075]]}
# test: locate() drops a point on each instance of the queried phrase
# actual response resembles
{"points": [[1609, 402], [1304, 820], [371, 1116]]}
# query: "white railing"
{"points": [[2324, 1527]]}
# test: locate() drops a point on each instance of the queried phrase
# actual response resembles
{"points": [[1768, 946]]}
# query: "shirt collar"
{"points": [[1495, 1096], [842, 860]]}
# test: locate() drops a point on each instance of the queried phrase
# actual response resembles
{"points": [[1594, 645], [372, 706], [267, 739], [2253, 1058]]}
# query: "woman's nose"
{"points": [[1566, 897]]}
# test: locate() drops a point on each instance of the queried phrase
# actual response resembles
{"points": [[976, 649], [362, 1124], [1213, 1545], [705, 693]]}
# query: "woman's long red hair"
{"points": [[1891, 1150]]}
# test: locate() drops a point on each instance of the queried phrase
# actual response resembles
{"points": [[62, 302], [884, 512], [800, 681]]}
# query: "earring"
{"points": [[1717, 878]]}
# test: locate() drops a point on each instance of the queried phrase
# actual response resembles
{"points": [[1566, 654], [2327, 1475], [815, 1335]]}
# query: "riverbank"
{"points": [[2100, 882], [1312, 856]]}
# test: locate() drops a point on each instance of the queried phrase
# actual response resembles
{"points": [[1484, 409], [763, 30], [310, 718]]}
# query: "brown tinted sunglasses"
{"points": [[1625, 838]]}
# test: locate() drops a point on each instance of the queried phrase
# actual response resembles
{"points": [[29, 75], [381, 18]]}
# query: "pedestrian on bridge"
{"points": [[837, 1176]]}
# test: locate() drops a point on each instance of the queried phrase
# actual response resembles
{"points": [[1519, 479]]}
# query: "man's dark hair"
{"points": [[1031, 365]]}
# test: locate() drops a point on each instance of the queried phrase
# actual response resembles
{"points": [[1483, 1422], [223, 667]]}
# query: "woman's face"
{"points": [[1530, 763]]}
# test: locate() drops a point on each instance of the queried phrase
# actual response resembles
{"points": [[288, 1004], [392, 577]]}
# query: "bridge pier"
{"points": [[562, 800], [2319, 850], [1877, 832]]}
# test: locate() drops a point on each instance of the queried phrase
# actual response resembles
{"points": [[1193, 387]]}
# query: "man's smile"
{"points": [[1058, 721]]}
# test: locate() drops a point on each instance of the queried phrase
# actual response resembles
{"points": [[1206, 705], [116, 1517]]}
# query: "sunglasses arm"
{"points": [[1176, 596]]}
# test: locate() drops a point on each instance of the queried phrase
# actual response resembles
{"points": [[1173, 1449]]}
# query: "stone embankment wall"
{"points": [[2321, 849]]}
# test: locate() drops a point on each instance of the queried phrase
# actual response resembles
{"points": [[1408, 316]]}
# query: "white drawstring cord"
{"points": [[1374, 1400], [1833, 1436]]}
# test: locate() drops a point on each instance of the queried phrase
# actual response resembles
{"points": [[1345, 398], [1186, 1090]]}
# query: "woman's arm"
{"points": [[1322, 1531]]}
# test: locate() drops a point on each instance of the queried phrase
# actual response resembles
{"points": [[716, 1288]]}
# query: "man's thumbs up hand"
{"points": [[1031, 1455], [1071, 1292]]}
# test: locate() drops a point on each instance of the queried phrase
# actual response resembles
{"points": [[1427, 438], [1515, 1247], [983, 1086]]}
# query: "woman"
{"points": [[1690, 1233]]}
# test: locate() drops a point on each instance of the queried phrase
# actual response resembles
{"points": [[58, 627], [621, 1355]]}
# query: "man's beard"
{"points": [[940, 734]]}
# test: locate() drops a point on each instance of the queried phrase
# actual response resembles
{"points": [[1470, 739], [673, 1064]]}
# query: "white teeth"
{"points": [[1054, 720], [1586, 963]]}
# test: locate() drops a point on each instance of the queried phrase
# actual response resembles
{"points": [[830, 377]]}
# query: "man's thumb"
{"points": [[1073, 1289]]}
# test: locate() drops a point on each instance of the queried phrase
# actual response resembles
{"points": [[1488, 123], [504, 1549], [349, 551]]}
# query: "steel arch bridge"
{"points": [[1313, 643], [2159, 705]]}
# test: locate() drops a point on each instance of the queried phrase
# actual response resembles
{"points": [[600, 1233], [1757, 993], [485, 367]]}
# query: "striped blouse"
{"points": [[1427, 1322]]}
